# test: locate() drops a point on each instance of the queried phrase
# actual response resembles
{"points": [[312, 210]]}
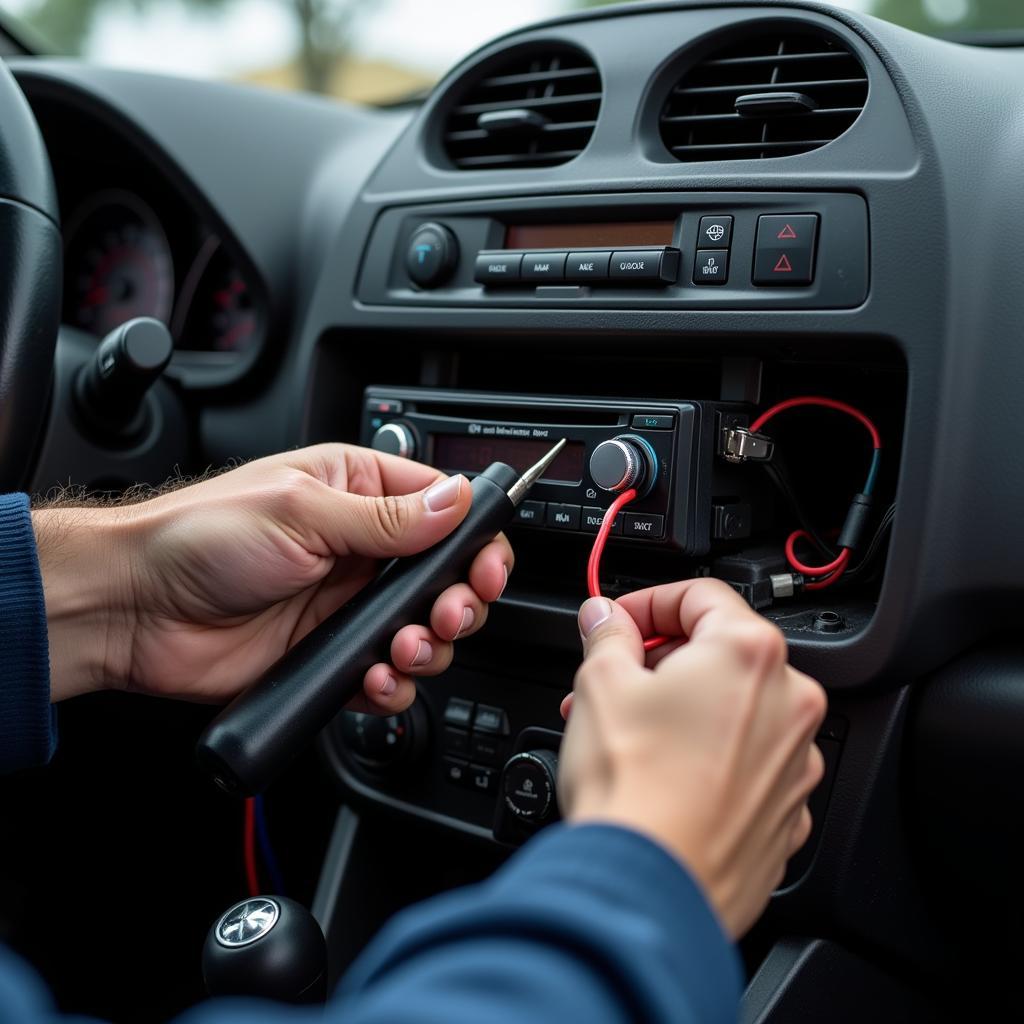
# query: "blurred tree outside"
{"points": [[324, 26], [936, 17]]}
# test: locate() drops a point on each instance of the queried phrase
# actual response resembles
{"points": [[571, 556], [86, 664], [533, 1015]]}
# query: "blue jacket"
{"points": [[592, 923]]}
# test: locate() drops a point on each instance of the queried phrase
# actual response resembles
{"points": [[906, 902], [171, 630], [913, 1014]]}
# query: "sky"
{"points": [[255, 34]]}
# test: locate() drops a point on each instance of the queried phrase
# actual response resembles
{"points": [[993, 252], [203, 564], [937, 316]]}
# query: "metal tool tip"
{"points": [[519, 489]]}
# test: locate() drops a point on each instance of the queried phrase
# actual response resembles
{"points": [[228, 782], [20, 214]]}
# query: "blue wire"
{"points": [[268, 851], [876, 458]]}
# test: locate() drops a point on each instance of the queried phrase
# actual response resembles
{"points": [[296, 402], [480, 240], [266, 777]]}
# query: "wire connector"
{"points": [[786, 584], [741, 445]]}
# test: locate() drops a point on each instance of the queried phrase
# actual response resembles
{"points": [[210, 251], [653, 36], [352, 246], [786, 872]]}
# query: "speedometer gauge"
{"points": [[217, 312], [117, 264]]}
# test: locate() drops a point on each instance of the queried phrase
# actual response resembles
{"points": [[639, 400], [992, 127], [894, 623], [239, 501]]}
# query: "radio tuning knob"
{"points": [[621, 463], [395, 439]]}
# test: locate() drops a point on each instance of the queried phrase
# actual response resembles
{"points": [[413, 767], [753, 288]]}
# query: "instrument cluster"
{"points": [[122, 260]]}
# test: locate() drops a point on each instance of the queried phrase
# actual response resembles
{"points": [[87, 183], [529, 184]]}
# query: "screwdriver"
{"points": [[254, 738]]}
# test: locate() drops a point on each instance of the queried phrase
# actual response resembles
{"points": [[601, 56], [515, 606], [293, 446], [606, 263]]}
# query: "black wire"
{"points": [[779, 475], [877, 541]]}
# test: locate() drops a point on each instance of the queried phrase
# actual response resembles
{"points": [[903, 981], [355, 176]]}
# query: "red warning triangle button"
{"points": [[787, 232], [783, 266]]}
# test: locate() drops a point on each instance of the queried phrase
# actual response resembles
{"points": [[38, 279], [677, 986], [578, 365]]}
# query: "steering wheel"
{"points": [[30, 282]]}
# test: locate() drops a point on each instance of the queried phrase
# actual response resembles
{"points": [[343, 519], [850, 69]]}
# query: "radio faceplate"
{"points": [[464, 432]]}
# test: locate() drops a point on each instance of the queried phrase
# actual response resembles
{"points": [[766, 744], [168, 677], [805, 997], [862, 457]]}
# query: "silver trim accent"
{"points": [[406, 442], [520, 488], [247, 922]]}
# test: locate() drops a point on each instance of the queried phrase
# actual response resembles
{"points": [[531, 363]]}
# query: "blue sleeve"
{"points": [[27, 734], [591, 923]]}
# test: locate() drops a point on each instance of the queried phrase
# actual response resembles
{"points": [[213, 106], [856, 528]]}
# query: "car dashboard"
{"points": [[640, 226]]}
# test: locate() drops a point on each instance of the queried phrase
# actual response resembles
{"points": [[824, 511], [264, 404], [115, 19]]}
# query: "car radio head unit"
{"points": [[664, 450]]}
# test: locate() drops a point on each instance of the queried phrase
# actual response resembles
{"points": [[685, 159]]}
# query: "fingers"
{"points": [[391, 525], [362, 470], [385, 692], [489, 573], [609, 634], [458, 613], [419, 651], [676, 609]]}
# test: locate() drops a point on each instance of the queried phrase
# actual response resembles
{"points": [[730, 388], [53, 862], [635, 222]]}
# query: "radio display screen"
{"points": [[612, 235], [462, 453]]}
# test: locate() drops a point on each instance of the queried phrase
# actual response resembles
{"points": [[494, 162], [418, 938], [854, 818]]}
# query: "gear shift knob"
{"points": [[267, 946]]}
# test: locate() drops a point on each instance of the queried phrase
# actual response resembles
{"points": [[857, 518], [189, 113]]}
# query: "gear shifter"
{"points": [[267, 946]]}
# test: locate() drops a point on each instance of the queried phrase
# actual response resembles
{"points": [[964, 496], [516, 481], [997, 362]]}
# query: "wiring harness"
{"points": [[743, 444]]}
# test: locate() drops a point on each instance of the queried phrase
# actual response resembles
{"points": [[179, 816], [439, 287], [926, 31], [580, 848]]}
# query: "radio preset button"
{"points": [[587, 266], [711, 266], [530, 513], [639, 524], [564, 517], [492, 720], [497, 268], [459, 712], [646, 266], [714, 232], [653, 421], [543, 266], [592, 518]]}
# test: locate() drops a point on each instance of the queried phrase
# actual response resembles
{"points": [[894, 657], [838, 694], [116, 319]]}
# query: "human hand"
{"points": [[196, 592], [705, 745]]}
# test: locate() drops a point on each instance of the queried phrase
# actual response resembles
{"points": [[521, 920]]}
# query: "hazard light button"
{"points": [[784, 250]]}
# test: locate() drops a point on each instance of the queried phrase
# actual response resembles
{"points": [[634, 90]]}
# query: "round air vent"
{"points": [[776, 93], [536, 108]]}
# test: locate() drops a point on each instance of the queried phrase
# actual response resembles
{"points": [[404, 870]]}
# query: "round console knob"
{"points": [[621, 463], [385, 745], [431, 255], [528, 785], [395, 439]]}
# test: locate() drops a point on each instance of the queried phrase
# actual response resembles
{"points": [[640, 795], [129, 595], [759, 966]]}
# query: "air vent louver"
{"points": [[776, 94], [537, 109]]}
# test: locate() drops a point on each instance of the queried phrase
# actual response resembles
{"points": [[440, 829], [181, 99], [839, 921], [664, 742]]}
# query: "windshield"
{"points": [[368, 51]]}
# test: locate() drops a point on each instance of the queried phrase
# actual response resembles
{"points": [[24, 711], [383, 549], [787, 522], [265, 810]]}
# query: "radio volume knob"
{"points": [[618, 464], [395, 439]]}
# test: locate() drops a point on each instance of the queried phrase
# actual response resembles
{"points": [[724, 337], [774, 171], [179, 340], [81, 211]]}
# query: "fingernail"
{"points": [[389, 686], [443, 495], [592, 613], [468, 617], [423, 654], [505, 584]]}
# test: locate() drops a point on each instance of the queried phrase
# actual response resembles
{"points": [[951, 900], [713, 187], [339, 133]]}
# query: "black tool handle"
{"points": [[255, 736]]}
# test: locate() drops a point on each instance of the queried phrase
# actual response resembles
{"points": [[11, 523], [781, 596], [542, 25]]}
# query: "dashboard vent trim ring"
{"points": [[699, 119], [558, 82]]}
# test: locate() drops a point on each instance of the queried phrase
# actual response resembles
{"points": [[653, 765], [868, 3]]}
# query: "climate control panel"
{"points": [[727, 250]]}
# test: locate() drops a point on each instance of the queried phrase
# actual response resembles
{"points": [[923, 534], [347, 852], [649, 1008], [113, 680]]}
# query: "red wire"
{"points": [[824, 575], [251, 876], [825, 403], [594, 563], [813, 570]]}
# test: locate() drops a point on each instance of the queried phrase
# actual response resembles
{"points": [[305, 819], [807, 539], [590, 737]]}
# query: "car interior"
{"points": [[743, 258]]}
